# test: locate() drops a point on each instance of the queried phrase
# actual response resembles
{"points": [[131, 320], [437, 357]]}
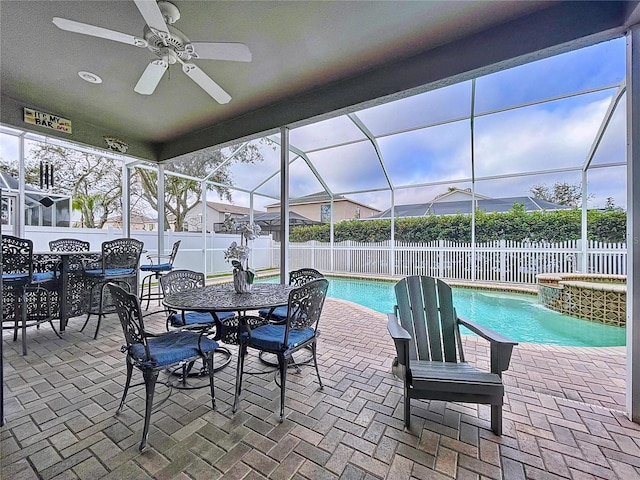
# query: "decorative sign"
{"points": [[115, 144], [47, 120]]}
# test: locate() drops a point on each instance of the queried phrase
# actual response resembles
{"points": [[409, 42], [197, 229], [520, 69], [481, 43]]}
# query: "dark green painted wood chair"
{"points": [[430, 361]]}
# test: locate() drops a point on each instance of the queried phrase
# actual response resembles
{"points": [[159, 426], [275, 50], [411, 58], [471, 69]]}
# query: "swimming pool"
{"points": [[518, 316]]}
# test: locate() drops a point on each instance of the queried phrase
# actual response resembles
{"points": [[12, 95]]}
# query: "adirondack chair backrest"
{"points": [[425, 310]]}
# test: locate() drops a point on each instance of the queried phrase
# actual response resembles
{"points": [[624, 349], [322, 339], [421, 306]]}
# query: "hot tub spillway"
{"points": [[597, 298]]}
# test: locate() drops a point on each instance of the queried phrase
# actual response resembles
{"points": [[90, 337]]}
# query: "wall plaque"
{"points": [[47, 120]]}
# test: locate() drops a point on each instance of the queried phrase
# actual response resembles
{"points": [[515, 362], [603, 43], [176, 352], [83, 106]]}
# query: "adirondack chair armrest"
{"points": [[400, 337], [501, 346]]}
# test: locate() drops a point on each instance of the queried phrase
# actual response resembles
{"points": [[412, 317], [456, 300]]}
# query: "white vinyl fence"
{"points": [[499, 261], [202, 254]]}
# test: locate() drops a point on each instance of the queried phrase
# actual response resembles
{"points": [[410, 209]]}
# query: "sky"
{"points": [[426, 139]]}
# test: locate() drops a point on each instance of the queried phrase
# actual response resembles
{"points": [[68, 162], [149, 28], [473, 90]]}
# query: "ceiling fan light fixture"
{"points": [[169, 44], [89, 77]]}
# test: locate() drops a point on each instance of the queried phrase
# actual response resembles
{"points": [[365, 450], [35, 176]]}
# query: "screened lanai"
{"points": [[460, 133], [549, 128]]}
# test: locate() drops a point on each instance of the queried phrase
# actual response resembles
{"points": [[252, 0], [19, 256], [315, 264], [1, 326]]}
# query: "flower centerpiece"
{"points": [[243, 276]]}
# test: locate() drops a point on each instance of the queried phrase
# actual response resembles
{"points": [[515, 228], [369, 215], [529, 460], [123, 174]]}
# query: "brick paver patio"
{"points": [[563, 416]]}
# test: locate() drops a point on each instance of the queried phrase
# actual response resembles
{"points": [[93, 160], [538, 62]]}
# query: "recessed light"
{"points": [[90, 77]]}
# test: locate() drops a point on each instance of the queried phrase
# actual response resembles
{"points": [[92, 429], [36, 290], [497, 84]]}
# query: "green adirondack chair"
{"points": [[430, 361]]}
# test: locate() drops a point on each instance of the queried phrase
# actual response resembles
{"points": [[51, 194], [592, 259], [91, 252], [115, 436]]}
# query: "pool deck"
{"points": [[563, 415]]}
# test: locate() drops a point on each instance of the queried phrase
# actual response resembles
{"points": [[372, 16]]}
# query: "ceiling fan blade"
{"points": [[151, 77], [153, 16], [206, 83], [86, 29], [235, 52]]}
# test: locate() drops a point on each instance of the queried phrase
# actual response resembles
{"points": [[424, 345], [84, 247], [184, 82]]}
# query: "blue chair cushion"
{"points": [[15, 278], [162, 267], [43, 276], [279, 314], [171, 348], [271, 337], [110, 272], [195, 318]]}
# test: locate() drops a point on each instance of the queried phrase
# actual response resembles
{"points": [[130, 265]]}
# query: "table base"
{"points": [[181, 383]]}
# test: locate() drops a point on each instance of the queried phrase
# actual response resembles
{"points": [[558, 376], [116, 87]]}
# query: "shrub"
{"points": [[517, 225]]}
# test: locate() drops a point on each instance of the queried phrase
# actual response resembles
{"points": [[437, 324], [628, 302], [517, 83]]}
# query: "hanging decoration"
{"points": [[115, 144], [46, 175]]}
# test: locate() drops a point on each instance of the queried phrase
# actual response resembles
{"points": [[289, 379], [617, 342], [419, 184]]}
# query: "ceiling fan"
{"points": [[170, 45]]}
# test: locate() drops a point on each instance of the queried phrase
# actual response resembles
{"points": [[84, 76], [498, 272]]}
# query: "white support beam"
{"points": [[203, 226], [160, 203], [473, 179], [22, 200], [126, 196], [284, 204], [633, 223], [392, 248], [584, 241]]}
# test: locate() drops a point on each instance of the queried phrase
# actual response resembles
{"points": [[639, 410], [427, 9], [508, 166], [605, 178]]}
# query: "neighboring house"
{"points": [[317, 206], [460, 201], [216, 214], [137, 222], [42, 208]]}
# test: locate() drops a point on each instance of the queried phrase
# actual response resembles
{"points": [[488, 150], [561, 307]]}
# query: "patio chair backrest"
{"points": [[425, 307], [174, 252], [17, 255], [128, 309], [305, 306], [121, 253], [69, 245], [303, 275], [180, 280]]}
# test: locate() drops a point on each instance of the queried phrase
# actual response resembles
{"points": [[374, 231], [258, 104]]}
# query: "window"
{"points": [[325, 213]]}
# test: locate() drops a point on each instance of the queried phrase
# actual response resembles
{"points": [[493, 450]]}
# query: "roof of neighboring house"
{"points": [[270, 221], [227, 208], [33, 195], [455, 191], [488, 205], [321, 197], [133, 218]]}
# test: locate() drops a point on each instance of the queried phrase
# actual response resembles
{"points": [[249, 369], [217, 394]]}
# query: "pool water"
{"points": [[518, 316]]}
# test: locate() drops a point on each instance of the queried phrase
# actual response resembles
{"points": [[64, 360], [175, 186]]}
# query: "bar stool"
{"points": [[29, 288], [118, 264], [156, 271]]}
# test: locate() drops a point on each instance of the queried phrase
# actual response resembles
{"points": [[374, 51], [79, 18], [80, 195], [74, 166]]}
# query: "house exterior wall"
{"points": [[343, 210], [193, 219]]}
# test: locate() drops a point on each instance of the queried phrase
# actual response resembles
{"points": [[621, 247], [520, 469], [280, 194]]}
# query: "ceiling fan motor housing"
{"points": [[176, 41]]}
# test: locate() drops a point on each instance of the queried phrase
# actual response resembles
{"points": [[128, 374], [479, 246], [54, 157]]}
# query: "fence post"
{"points": [[502, 244], [579, 257], [441, 258]]}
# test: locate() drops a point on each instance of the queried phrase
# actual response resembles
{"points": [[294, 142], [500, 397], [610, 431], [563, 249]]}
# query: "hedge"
{"points": [[557, 226]]}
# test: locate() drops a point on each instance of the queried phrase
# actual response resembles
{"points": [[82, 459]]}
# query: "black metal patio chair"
{"points": [[118, 264], [156, 271], [152, 354], [178, 281], [29, 291], [300, 330], [297, 278], [69, 245]]}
